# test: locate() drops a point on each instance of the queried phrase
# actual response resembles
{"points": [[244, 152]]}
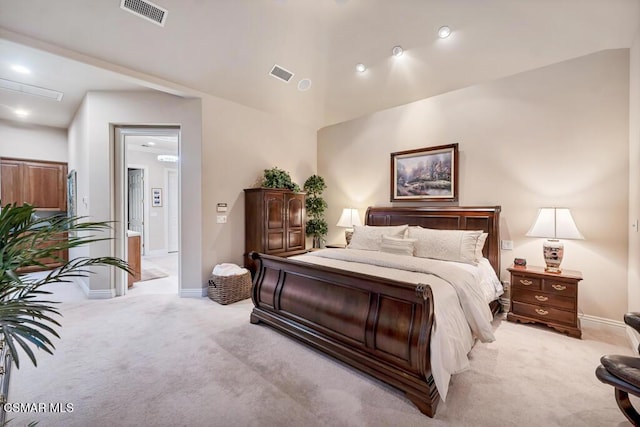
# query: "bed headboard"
{"points": [[485, 218]]}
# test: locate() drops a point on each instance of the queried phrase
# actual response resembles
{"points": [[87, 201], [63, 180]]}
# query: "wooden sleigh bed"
{"points": [[380, 326]]}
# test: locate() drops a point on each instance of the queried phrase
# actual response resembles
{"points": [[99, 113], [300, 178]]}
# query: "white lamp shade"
{"points": [[555, 223], [349, 218]]}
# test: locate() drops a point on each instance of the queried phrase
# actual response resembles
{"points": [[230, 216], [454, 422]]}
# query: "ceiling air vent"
{"points": [[31, 90], [281, 74], [146, 9]]}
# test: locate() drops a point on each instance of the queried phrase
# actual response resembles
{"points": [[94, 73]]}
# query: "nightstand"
{"points": [[548, 298], [336, 245]]}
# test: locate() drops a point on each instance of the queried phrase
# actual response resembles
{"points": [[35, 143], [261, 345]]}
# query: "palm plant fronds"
{"points": [[26, 320]]}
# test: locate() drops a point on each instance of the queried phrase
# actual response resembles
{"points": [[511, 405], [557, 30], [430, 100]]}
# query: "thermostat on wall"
{"points": [[221, 207]]}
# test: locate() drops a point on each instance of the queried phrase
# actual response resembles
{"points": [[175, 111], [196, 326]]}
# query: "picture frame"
{"points": [[425, 174], [156, 197]]}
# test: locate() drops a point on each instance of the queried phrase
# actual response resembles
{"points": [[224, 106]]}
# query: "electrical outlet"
{"points": [[221, 219], [506, 245]]}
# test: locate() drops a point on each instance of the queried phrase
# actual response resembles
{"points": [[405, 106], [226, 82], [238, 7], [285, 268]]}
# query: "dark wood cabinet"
{"points": [[41, 184], [274, 222], [48, 263], [549, 298], [38, 183]]}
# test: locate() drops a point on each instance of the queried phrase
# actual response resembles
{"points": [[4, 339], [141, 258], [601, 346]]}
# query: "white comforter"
{"points": [[461, 312]]}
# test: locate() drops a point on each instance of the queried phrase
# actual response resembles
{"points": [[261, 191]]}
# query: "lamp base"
{"points": [[553, 251], [347, 235]]}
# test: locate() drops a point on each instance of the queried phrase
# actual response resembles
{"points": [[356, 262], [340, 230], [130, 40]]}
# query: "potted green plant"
{"points": [[278, 178], [316, 206], [27, 319]]}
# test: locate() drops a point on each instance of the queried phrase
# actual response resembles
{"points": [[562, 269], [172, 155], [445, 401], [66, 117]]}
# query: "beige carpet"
{"points": [[152, 273], [159, 360]]}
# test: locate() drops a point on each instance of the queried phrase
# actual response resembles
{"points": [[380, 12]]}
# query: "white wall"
{"points": [[239, 143], [78, 154], [634, 176], [33, 142], [93, 158], [556, 136]]}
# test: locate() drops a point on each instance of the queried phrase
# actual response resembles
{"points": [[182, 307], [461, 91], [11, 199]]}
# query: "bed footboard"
{"points": [[379, 326]]}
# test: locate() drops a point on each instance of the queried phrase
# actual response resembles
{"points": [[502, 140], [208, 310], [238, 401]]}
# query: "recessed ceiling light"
{"points": [[360, 67], [397, 51], [20, 69], [21, 112], [444, 32], [304, 84]]}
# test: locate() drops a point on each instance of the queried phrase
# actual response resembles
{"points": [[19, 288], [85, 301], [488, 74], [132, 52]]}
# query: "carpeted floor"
{"points": [[152, 273], [160, 360]]}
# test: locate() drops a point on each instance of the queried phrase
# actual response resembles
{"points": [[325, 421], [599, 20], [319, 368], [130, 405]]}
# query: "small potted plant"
{"points": [[316, 206], [278, 178]]}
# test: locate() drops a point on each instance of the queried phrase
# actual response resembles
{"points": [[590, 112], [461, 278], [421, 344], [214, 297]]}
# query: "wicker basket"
{"points": [[229, 289]]}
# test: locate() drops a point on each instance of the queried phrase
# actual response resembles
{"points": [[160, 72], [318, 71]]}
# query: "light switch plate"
{"points": [[506, 245]]}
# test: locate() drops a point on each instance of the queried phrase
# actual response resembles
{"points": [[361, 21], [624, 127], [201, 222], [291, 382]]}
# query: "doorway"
{"points": [[147, 201]]}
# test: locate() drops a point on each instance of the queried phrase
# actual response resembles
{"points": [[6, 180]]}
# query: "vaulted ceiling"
{"points": [[226, 48]]}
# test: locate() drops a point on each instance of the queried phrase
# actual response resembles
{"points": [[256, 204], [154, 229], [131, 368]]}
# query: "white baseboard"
{"points": [[83, 285], [94, 294], [601, 324], [194, 293], [101, 293]]}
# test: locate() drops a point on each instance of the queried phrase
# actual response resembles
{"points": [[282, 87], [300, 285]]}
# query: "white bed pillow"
{"points": [[369, 238], [480, 246], [446, 245], [397, 245]]}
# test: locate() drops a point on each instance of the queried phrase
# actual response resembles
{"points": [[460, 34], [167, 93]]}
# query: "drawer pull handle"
{"points": [[541, 298], [526, 282], [541, 312], [559, 287]]}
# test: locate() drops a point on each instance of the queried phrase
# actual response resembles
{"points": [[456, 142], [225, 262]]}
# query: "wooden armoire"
{"points": [[274, 222]]}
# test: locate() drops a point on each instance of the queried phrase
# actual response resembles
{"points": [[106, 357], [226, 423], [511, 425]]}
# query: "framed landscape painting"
{"points": [[425, 174]]}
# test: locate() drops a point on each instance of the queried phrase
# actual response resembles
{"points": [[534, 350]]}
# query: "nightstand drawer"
{"points": [[526, 281], [546, 314], [559, 287], [543, 299]]}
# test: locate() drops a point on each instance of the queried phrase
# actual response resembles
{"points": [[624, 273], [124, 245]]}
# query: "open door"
{"points": [[135, 207]]}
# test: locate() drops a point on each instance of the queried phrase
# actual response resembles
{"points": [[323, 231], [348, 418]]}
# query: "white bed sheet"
{"points": [[461, 312]]}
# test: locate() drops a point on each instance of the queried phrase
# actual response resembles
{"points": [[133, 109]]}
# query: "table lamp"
{"points": [[554, 224], [349, 218]]}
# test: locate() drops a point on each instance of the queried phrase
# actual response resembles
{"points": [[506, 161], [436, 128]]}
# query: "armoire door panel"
{"points": [[295, 240], [295, 210], [275, 211], [275, 242]]}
